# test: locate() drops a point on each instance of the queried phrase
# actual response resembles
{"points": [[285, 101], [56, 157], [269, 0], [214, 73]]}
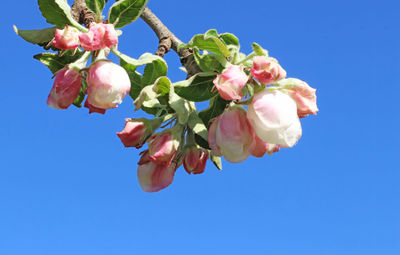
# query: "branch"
{"points": [[82, 14], [168, 40]]}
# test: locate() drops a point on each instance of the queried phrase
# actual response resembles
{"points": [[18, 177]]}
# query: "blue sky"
{"points": [[67, 185]]}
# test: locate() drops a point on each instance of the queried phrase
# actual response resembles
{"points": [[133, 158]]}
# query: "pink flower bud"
{"points": [[137, 131], [66, 87], [163, 148], [267, 70], [99, 37], [260, 148], [108, 84], [154, 177], [302, 94], [273, 116], [67, 38], [230, 135], [194, 160], [231, 83], [93, 109]]}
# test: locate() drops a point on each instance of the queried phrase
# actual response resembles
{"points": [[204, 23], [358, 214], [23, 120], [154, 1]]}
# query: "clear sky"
{"points": [[68, 187]]}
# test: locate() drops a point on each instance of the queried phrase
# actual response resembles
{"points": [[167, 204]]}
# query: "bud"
{"points": [[67, 38], [137, 131], [66, 88], [267, 70], [260, 148], [99, 37], [93, 109], [108, 84], [273, 116], [302, 94], [230, 135], [231, 83], [194, 160], [154, 177], [164, 146]]}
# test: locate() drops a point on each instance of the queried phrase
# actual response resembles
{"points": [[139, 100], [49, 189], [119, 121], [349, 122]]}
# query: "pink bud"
{"points": [[134, 133], [66, 88], [231, 83], [260, 148], [67, 38], [99, 37], [194, 160], [108, 84], [230, 135], [273, 116], [154, 177], [163, 148], [303, 94], [267, 70]]}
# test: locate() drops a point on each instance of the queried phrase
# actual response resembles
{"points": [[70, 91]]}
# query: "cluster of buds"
{"points": [[107, 83]]}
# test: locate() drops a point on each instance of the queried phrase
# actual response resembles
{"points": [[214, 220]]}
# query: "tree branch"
{"points": [[82, 14]]}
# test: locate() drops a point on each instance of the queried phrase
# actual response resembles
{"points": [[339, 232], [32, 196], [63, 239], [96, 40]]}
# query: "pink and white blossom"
{"points": [[163, 148], [108, 84], [231, 83], [273, 116], [67, 38], [66, 88], [98, 37], [194, 160], [230, 135], [302, 94], [267, 70], [134, 133], [260, 148]]}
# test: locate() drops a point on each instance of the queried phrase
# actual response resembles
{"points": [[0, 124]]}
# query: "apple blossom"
{"points": [[66, 87], [99, 37], [230, 135], [231, 82], [108, 84], [195, 159], [267, 70], [273, 116], [164, 146], [302, 94], [260, 148], [67, 38]]}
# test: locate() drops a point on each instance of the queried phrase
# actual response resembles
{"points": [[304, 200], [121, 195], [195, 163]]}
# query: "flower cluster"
{"points": [[106, 83]]}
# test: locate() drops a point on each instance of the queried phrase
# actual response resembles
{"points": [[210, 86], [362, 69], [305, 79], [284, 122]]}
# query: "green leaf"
{"points": [[258, 50], [216, 108], [153, 71], [78, 101], [209, 41], [207, 62], [125, 12], [58, 12], [135, 77], [217, 161], [230, 40], [197, 88], [162, 86], [180, 106], [197, 125], [56, 63], [96, 6], [37, 36]]}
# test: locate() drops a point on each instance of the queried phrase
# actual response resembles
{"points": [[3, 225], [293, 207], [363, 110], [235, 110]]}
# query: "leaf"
{"points": [[230, 40], [96, 6], [153, 71], [36, 36], [162, 86], [58, 12], [56, 63], [180, 106], [258, 50], [209, 41], [197, 88], [217, 161], [125, 12], [207, 62], [197, 125], [216, 108], [135, 77]]}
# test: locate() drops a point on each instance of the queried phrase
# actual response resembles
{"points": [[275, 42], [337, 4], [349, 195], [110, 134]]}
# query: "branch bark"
{"points": [[82, 14]]}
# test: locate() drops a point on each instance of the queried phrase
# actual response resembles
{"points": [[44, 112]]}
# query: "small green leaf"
{"points": [[125, 12], [207, 62], [230, 40], [259, 51], [58, 12], [162, 86], [78, 101], [153, 71], [197, 125], [96, 6], [36, 36], [180, 106], [216, 108], [197, 88], [217, 161], [135, 77], [56, 63], [209, 41]]}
